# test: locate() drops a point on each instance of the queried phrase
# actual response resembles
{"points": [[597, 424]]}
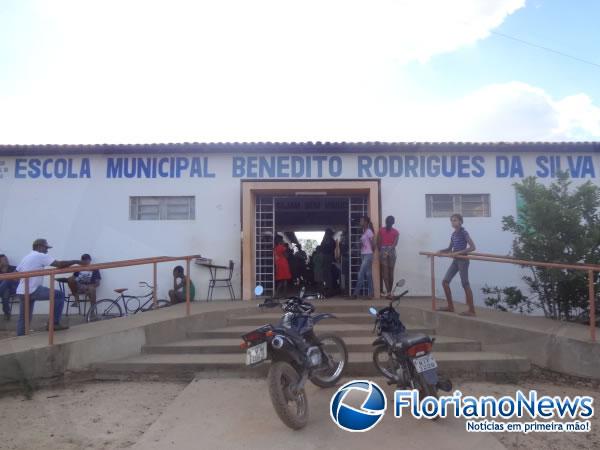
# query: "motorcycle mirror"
{"points": [[372, 311], [400, 283], [258, 290]]}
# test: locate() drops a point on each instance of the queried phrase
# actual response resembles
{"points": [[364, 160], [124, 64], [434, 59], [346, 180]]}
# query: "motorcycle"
{"points": [[404, 358], [297, 354]]}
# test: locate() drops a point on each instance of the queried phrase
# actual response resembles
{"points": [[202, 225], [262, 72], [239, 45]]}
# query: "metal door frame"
{"points": [[250, 189]]}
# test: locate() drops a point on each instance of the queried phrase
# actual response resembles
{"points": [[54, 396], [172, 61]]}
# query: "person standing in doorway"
{"points": [[328, 254], [460, 244], [365, 274], [37, 259], [387, 240], [282, 267]]}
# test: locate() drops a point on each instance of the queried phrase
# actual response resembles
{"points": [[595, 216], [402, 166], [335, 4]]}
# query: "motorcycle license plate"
{"points": [[424, 363], [256, 354]]}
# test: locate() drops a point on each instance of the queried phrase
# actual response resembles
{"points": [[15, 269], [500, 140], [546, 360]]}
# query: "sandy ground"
{"points": [[103, 415], [550, 441], [115, 415], [237, 414]]}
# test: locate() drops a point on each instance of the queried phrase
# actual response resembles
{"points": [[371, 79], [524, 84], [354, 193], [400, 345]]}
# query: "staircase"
{"points": [[217, 353]]}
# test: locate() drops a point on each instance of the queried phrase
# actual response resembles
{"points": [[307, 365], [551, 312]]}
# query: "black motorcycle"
{"points": [[297, 354], [402, 357]]}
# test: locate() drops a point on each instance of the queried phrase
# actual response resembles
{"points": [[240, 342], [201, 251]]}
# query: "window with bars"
{"points": [[469, 205], [162, 208]]}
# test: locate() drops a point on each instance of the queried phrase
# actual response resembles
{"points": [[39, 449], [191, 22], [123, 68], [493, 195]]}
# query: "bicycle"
{"points": [[108, 308]]}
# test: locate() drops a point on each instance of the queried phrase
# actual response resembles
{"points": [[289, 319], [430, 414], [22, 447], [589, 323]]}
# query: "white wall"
{"points": [[92, 216]]}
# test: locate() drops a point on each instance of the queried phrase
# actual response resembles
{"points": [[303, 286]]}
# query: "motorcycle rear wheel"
{"points": [[336, 350], [291, 407], [384, 363], [425, 389]]}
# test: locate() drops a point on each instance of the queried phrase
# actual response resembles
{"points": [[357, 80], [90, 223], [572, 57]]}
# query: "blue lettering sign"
{"points": [[380, 166], [319, 160], [478, 162], [335, 166], [283, 166], [114, 168], [238, 169], [297, 165], [581, 166], [543, 170], [364, 166], [509, 167], [396, 166], [20, 168]]}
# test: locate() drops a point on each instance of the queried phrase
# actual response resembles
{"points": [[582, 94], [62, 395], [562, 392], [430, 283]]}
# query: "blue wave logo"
{"points": [[360, 419]]}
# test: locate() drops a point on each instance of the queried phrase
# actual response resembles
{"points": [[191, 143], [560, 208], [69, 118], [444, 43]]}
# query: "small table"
{"points": [[213, 268]]}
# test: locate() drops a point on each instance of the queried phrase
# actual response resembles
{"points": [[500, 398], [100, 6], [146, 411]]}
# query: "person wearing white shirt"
{"points": [[38, 259]]}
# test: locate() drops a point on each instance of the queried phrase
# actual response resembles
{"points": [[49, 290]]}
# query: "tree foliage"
{"points": [[555, 224]]}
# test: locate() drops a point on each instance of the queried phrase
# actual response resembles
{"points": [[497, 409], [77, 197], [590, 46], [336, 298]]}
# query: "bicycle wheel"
{"points": [[132, 304], [103, 310]]}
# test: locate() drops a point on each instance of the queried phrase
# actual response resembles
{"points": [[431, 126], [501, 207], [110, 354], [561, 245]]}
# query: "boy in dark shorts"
{"points": [[460, 244]]}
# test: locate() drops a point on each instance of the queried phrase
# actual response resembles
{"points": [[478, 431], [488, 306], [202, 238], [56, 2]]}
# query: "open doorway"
{"points": [[290, 208], [319, 238]]}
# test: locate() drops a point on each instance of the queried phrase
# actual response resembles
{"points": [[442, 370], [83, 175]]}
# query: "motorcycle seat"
{"points": [[408, 340], [391, 338]]}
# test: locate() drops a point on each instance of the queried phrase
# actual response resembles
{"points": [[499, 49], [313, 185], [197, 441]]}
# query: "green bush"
{"points": [[554, 224]]}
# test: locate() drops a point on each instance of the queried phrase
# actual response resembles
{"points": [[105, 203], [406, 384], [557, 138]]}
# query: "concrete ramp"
{"points": [[237, 414]]}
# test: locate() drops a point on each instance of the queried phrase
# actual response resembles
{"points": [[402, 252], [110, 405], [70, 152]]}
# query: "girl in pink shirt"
{"points": [[386, 242], [365, 273]]}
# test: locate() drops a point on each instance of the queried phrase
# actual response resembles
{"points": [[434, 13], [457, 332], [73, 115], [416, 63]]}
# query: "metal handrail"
{"points": [[98, 266], [589, 268]]}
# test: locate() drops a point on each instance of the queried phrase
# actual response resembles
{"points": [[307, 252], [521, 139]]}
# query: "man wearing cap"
{"points": [[37, 260]]}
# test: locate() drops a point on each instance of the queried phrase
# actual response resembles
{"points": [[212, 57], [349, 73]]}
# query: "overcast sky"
{"points": [[137, 71]]}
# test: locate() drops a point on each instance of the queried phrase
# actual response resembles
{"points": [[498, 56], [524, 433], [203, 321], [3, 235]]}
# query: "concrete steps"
{"points": [[353, 343], [342, 330], [359, 364], [341, 318], [216, 352]]}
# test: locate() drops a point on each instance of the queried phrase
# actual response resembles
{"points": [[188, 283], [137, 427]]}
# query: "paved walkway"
{"points": [[234, 414]]}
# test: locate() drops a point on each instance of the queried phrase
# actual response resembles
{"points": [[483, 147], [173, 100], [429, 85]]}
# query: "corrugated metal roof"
{"points": [[299, 147]]}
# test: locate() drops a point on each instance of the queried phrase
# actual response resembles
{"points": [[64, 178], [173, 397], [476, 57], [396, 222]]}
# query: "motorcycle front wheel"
{"points": [[335, 361], [291, 405]]}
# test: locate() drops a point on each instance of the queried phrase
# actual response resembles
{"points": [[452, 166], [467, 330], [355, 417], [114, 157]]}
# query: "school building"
{"points": [[226, 201]]}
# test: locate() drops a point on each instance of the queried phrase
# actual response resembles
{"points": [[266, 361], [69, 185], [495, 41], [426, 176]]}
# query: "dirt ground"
{"points": [[94, 416], [113, 415]]}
